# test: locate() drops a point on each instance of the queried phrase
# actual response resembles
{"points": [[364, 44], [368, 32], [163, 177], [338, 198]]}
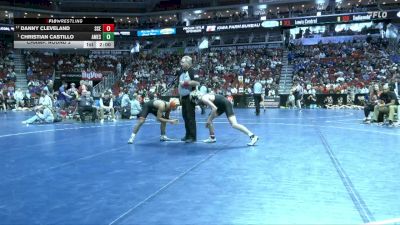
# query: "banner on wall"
{"points": [[71, 75], [270, 102], [338, 18], [156, 32], [91, 75], [240, 47]]}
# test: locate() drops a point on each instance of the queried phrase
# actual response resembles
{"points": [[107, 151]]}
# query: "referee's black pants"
{"points": [[189, 116], [257, 100]]}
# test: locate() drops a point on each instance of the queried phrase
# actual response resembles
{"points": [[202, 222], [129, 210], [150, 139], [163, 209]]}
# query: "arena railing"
{"points": [[107, 82]]}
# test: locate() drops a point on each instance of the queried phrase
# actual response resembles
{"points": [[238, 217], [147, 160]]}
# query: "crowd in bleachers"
{"points": [[346, 68], [7, 73], [40, 66], [149, 23], [79, 62], [343, 67], [40, 69], [368, 69], [307, 33], [235, 71]]}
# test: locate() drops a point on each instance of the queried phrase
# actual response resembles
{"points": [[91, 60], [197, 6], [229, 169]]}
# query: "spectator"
{"points": [[86, 105], [125, 105], [257, 95], [43, 114], [45, 99], [63, 97], [106, 104], [3, 101], [135, 106], [19, 98], [387, 105]]}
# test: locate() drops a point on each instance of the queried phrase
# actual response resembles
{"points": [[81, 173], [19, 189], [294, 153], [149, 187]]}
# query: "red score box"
{"points": [[108, 28]]}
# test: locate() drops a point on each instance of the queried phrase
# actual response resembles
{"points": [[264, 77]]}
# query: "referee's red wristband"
{"points": [[185, 84]]}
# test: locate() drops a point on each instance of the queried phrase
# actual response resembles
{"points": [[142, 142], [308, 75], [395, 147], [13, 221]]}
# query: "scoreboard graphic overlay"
{"points": [[86, 33]]}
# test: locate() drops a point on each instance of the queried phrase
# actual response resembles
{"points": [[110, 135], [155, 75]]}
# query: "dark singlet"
{"points": [[223, 105], [220, 101], [149, 107]]}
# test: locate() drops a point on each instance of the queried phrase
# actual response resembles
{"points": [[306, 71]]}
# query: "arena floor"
{"points": [[309, 167]]}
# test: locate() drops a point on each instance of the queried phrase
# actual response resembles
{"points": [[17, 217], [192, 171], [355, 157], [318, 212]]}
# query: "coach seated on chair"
{"points": [[388, 104], [106, 104], [86, 105]]}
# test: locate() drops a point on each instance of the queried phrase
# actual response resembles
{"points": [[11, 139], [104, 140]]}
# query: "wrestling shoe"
{"points": [[210, 140], [165, 138], [131, 139], [253, 141]]}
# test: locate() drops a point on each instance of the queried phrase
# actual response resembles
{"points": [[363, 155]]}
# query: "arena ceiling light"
{"points": [[197, 11]]}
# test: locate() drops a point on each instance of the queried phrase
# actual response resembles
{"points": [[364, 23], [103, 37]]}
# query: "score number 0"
{"points": [[108, 28]]}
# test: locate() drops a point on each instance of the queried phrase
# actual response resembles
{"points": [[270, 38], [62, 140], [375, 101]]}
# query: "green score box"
{"points": [[108, 36]]}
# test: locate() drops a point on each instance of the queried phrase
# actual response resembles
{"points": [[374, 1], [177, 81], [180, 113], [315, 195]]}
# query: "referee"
{"points": [[257, 90], [186, 85]]}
